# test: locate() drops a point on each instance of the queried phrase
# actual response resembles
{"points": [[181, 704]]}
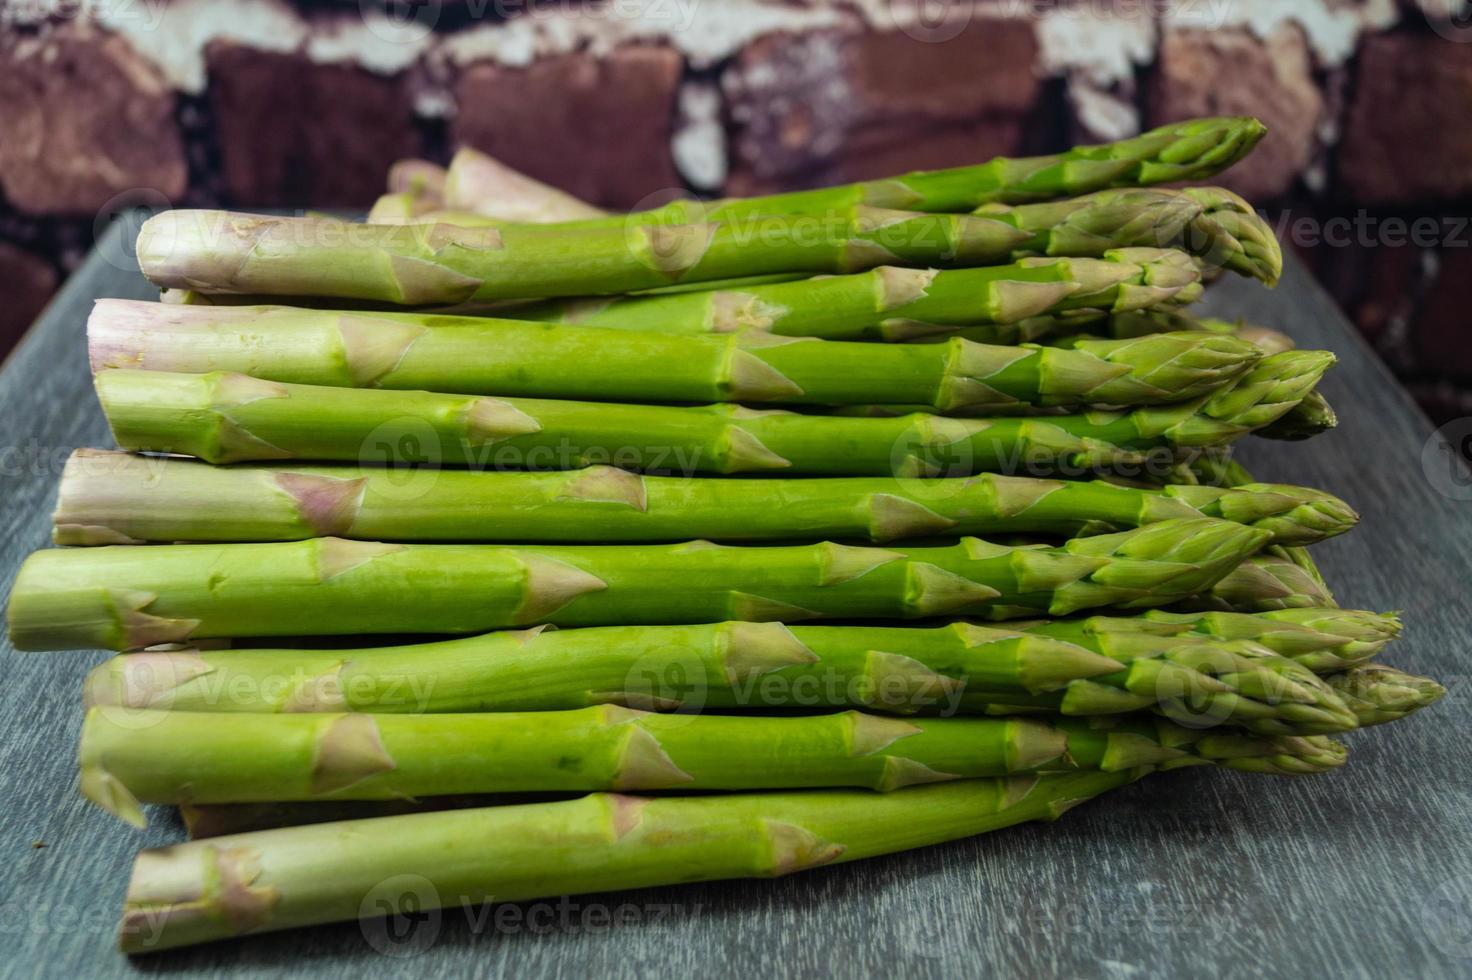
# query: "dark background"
{"points": [[267, 103]]}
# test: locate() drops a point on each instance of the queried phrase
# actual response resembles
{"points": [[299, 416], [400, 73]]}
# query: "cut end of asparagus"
{"points": [[142, 680], [97, 784], [1377, 693], [421, 178], [185, 248], [482, 184], [178, 897]]}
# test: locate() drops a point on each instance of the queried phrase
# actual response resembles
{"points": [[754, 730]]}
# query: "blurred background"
{"points": [[1367, 172]]}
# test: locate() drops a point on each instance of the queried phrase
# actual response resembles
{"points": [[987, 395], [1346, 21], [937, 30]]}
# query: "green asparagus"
{"points": [[120, 498], [217, 251], [1185, 151], [251, 883], [1323, 640], [1264, 583], [960, 668], [1377, 693], [1218, 468], [128, 757], [122, 597], [228, 418], [891, 303], [483, 356], [1310, 417]]}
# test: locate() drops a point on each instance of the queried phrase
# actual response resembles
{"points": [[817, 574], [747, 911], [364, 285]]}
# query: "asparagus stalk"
{"points": [[228, 418], [1188, 151], [482, 356], [418, 264], [300, 876], [485, 186], [120, 498], [128, 757], [744, 666], [122, 597], [1377, 693], [891, 303]]}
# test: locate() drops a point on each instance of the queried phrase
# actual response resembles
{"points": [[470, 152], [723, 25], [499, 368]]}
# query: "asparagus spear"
{"points": [[300, 876], [962, 667], [891, 303], [1187, 151], [484, 185], [1308, 418], [1377, 693], [1264, 583], [1323, 640], [227, 418], [122, 597], [417, 264], [1220, 469], [170, 757], [120, 498], [483, 356]]}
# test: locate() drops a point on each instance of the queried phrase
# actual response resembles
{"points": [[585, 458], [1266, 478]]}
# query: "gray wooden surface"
{"points": [[1364, 873]]}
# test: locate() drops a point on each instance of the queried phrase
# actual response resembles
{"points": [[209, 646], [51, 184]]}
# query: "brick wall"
{"points": [[265, 103]]}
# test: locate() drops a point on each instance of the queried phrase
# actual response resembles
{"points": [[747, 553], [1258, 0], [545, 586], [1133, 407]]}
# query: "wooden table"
{"points": [[1364, 873]]}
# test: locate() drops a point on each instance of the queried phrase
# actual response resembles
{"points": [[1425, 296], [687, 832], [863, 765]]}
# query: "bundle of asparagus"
{"points": [[544, 441]]}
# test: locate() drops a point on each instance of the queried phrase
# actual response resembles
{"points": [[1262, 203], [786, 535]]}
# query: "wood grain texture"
{"points": [[1363, 873]]}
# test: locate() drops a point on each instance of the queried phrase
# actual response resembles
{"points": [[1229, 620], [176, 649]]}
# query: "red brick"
{"points": [[598, 128], [29, 282], [835, 106], [296, 133], [86, 118], [1406, 138], [1235, 73]]}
